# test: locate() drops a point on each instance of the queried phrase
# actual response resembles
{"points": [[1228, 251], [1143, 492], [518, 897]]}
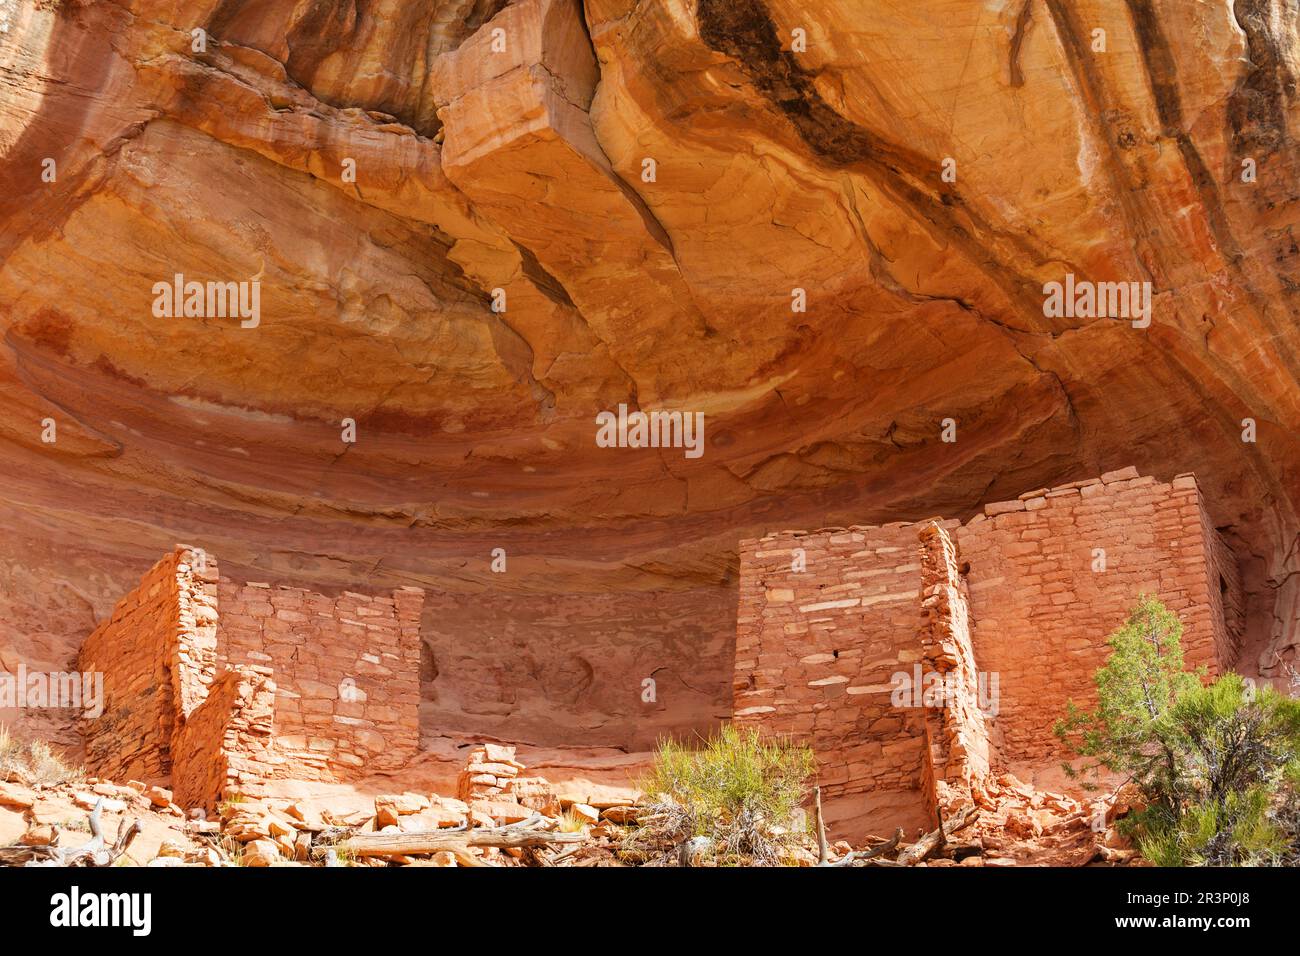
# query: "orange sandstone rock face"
{"points": [[826, 226]]}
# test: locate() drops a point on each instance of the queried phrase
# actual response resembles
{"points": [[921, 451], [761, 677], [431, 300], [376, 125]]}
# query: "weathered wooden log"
{"points": [[858, 856], [822, 855], [936, 838], [458, 841], [95, 852]]}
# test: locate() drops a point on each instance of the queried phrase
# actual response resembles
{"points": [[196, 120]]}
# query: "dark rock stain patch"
{"points": [[1256, 111], [1162, 74], [1024, 21], [744, 31]]}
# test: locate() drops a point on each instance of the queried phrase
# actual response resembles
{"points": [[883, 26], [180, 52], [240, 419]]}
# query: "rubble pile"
{"points": [[500, 817]]}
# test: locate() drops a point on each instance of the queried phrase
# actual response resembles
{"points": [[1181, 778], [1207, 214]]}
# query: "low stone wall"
{"points": [[226, 745]]}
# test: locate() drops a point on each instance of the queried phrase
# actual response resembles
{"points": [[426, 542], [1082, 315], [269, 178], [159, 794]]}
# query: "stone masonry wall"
{"points": [[956, 733], [218, 685], [157, 654], [346, 670], [1022, 598], [1043, 602], [226, 744], [816, 649]]}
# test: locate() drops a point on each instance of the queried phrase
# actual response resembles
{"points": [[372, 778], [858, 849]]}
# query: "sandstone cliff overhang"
{"points": [[919, 171]]}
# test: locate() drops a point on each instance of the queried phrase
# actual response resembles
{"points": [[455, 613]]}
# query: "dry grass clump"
{"points": [[33, 763]]}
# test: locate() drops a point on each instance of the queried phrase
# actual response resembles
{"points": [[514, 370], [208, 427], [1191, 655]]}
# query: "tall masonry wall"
{"points": [[222, 687], [838, 627], [157, 653], [826, 618], [346, 671], [1054, 573]]}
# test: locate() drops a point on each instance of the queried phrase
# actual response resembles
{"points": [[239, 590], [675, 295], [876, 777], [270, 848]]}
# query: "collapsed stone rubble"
{"points": [[1012, 823]]}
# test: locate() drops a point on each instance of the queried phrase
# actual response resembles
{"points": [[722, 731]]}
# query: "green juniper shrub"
{"points": [[1217, 764]]}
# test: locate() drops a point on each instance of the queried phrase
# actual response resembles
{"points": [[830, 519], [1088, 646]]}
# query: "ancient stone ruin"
{"points": [[843, 632], [913, 656], [224, 685]]}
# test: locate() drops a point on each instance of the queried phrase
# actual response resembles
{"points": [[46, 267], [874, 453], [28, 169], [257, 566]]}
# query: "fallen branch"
{"points": [[95, 852], [458, 841], [560, 857], [936, 838], [858, 856]]}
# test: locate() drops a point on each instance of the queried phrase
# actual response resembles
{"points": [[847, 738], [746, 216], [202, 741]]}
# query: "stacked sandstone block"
{"points": [[828, 619], [346, 669], [489, 770], [956, 733], [195, 662], [492, 788]]}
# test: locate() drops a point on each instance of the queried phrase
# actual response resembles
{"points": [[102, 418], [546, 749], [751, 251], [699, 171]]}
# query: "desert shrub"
{"points": [[33, 763], [1135, 689], [1286, 817], [1216, 764], [1234, 831], [734, 800]]}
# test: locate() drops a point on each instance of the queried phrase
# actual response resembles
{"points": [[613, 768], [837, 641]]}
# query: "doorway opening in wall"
{"points": [[428, 668]]}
